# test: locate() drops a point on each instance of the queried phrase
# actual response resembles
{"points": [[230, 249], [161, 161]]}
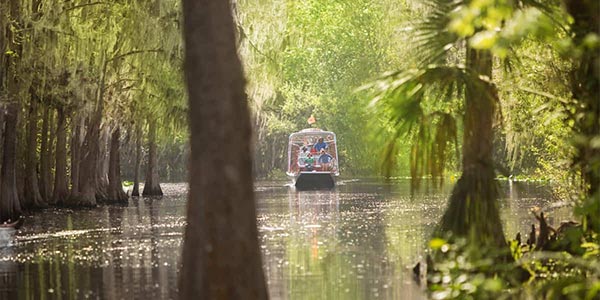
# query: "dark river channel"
{"points": [[358, 241]]}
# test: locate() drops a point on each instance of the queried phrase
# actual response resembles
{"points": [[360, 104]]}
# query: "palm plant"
{"points": [[452, 85]]}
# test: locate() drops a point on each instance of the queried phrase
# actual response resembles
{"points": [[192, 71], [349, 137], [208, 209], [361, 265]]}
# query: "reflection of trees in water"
{"points": [[336, 250], [520, 198], [9, 277], [121, 257]]}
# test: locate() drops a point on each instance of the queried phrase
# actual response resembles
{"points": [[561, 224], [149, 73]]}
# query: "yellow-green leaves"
{"points": [[484, 39], [437, 243], [496, 25], [479, 15]]}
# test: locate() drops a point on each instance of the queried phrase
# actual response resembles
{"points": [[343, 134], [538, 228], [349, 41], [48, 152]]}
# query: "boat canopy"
{"points": [[309, 139]]}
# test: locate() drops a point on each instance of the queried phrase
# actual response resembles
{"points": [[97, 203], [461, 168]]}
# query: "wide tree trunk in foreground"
{"points": [[10, 208], [115, 184], [32, 197], [61, 187], [152, 184], [138, 161], [473, 211], [221, 255]]}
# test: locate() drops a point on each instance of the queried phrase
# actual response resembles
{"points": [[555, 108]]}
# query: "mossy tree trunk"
{"points": [[115, 185], [32, 197], [10, 207], [221, 255], [44, 151], [61, 188], [138, 161], [75, 153], [86, 194], [48, 154], [152, 184], [472, 210], [103, 165]]}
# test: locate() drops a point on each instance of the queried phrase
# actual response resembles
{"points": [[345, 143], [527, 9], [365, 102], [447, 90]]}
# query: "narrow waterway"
{"points": [[358, 241]]}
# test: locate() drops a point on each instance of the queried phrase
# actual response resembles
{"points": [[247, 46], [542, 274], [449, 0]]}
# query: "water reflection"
{"points": [[111, 252], [336, 246], [358, 241]]}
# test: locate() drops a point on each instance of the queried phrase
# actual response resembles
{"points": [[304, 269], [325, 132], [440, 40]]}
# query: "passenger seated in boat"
{"points": [[320, 145], [325, 160], [302, 156], [309, 162]]}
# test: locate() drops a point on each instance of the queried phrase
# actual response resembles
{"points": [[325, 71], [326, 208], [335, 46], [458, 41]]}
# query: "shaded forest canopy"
{"points": [[299, 59]]}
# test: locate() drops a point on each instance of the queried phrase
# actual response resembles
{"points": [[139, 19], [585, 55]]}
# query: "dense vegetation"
{"points": [[92, 92], [78, 79]]}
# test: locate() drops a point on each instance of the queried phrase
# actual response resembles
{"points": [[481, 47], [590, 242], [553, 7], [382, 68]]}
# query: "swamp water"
{"points": [[358, 241]]}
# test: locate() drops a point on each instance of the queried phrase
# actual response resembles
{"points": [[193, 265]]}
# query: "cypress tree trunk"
{"points": [[473, 211], [10, 208], [32, 197], [115, 184], [48, 155], [152, 184], [86, 195], [44, 150], [102, 167], [2, 117], [221, 255], [138, 161], [75, 153], [61, 188]]}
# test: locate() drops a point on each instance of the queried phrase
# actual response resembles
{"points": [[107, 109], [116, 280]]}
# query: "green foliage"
{"points": [[308, 59], [462, 271]]}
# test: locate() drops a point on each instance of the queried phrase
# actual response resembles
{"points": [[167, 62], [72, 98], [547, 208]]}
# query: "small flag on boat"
{"points": [[311, 120]]}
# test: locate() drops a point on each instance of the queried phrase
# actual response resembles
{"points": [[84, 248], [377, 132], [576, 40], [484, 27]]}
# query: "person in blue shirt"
{"points": [[320, 145], [325, 160]]}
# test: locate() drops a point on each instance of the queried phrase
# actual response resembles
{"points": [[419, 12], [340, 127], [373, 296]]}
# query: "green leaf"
{"points": [[437, 243], [484, 39]]}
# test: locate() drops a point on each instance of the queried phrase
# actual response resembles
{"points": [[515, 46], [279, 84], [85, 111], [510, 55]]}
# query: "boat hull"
{"points": [[314, 181]]}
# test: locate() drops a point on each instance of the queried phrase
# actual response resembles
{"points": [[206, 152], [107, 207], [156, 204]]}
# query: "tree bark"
{"points": [[75, 153], [115, 184], [138, 161], [32, 197], [103, 165], [221, 255], [10, 208], [2, 116], [44, 163], [61, 188], [473, 211], [152, 184], [48, 155], [86, 195]]}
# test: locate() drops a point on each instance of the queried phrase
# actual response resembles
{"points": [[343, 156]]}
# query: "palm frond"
{"points": [[407, 97], [432, 39]]}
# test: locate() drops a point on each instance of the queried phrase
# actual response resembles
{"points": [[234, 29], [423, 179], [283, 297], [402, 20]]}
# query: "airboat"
{"points": [[313, 159]]}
